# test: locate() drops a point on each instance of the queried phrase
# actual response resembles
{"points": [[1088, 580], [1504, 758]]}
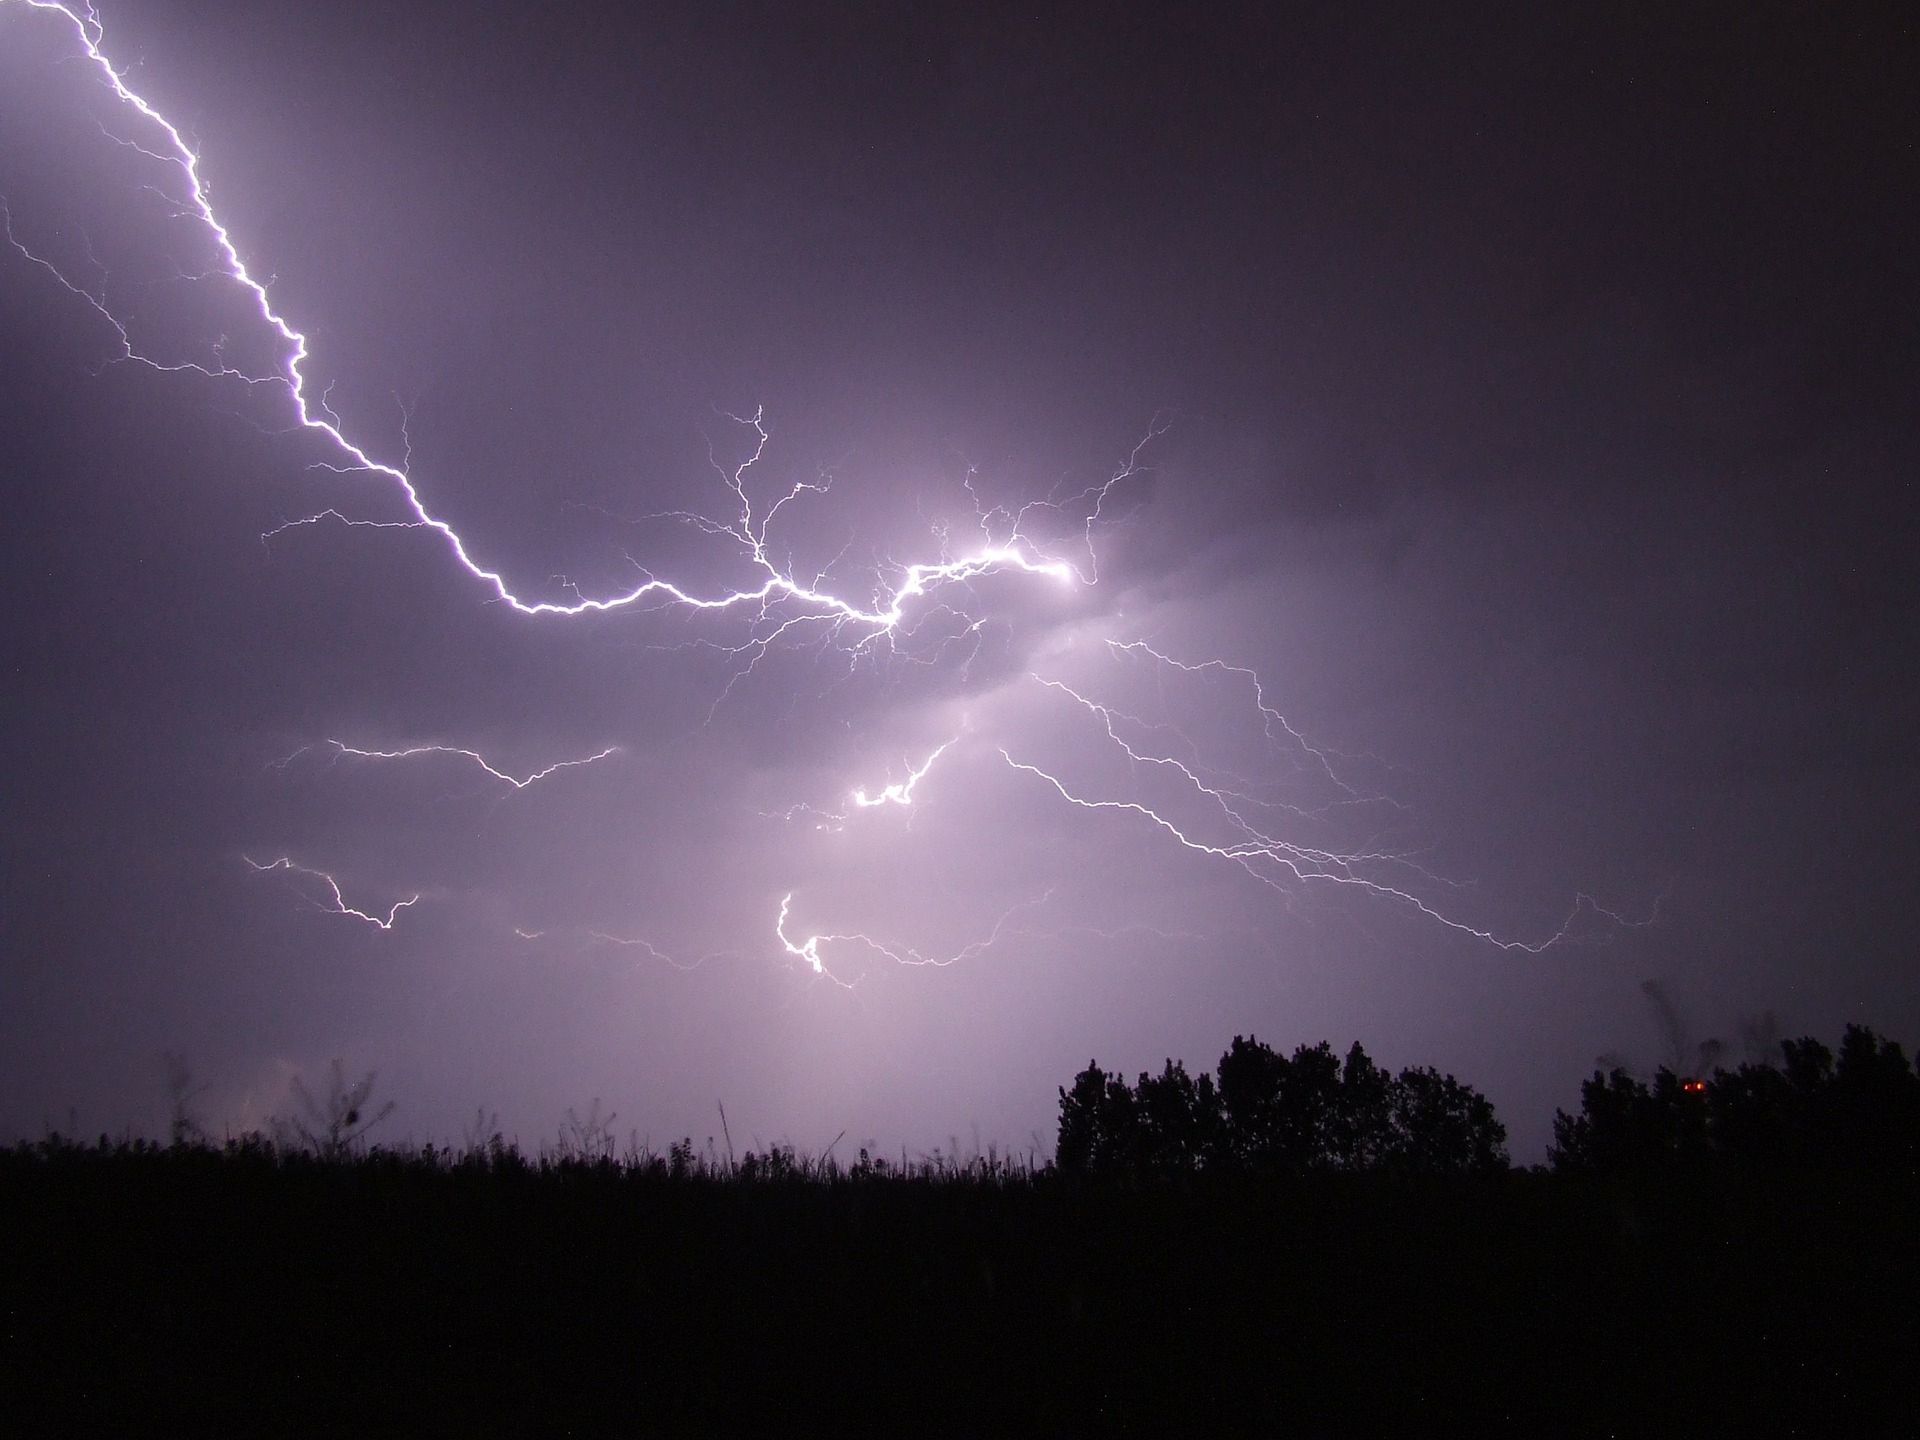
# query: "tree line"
{"points": [[1858, 1109], [1265, 1113]]}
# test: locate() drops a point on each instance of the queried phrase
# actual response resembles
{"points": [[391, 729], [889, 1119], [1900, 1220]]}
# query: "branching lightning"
{"points": [[780, 604], [1280, 863], [778, 600], [518, 782], [1004, 929], [651, 950], [901, 793], [1273, 723], [898, 792], [808, 949], [339, 905]]}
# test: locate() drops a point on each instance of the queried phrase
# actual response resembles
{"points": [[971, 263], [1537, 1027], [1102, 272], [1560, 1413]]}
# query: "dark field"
{"points": [[258, 1292]]}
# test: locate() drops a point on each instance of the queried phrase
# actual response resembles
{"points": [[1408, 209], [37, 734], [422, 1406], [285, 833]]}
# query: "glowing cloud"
{"points": [[777, 603]]}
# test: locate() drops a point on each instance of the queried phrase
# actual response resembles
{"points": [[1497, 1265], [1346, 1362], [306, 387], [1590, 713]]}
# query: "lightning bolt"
{"points": [[901, 793], [808, 949], [1273, 723], [1004, 929], [1274, 861], [897, 793], [653, 951], [777, 597], [339, 906], [1307, 865], [518, 782]]}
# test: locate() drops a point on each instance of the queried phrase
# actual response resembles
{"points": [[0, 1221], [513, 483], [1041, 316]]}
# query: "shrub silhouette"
{"points": [[1271, 1114], [332, 1126], [586, 1139], [183, 1124]]}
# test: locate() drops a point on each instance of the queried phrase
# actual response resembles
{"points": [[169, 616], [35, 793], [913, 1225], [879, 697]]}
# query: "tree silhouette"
{"points": [[1362, 1134], [1627, 1125], [1099, 1126], [1179, 1120], [1442, 1127], [1872, 1109]]}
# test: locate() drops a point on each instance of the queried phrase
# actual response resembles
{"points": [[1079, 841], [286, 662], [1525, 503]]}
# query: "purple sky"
{"points": [[1526, 399]]}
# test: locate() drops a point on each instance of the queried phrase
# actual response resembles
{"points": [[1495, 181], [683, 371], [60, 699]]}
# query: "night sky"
{"points": [[1526, 395]]}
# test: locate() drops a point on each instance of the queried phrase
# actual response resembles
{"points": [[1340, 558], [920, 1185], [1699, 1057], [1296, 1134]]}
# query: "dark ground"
{"points": [[247, 1294]]}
